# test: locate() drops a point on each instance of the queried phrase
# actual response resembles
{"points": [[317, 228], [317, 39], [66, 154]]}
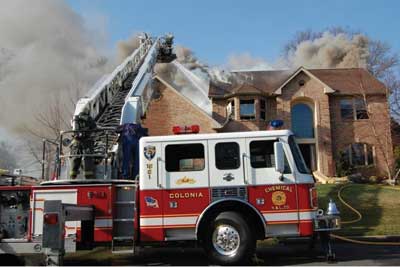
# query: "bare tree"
{"points": [[49, 122], [382, 138]]}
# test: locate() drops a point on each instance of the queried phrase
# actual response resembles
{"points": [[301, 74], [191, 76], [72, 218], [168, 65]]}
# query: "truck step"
{"points": [[123, 251], [128, 238]]}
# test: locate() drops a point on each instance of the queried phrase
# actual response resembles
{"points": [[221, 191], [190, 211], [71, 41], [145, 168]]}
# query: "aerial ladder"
{"points": [[118, 98]]}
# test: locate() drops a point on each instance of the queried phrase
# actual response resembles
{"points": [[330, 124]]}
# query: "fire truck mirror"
{"points": [[279, 157]]}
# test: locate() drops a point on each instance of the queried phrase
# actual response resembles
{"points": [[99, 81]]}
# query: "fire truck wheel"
{"points": [[229, 240]]}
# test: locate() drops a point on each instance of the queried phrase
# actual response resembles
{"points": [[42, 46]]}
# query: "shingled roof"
{"points": [[341, 81], [348, 81]]}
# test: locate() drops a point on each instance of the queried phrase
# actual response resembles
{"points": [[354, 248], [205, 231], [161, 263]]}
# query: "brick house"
{"points": [[339, 116]]}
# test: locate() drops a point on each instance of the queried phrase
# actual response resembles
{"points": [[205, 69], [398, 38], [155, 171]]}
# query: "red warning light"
{"points": [[51, 218], [186, 129]]}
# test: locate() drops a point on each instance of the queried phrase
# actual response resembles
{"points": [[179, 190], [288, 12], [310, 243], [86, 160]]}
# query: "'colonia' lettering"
{"points": [[186, 195], [278, 188]]}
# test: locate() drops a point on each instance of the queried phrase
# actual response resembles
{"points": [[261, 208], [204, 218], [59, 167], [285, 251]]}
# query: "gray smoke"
{"points": [[45, 52], [126, 47], [187, 58], [331, 51]]}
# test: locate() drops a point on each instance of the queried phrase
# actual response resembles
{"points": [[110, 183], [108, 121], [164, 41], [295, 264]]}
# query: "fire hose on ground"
{"points": [[359, 217]]}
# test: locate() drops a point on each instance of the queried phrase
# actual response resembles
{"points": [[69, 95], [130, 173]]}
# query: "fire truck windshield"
{"points": [[298, 157]]}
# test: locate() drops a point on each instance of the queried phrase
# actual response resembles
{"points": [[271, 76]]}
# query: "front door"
{"points": [[185, 183], [272, 193]]}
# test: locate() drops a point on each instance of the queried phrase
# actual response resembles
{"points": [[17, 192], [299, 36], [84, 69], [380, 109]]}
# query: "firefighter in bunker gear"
{"points": [[82, 144], [129, 135]]}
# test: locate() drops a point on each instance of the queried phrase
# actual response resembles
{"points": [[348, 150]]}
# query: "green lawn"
{"points": [[379, 206]]}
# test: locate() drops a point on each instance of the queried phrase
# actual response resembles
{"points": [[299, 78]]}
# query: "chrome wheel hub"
{"points": [[226, 240]]}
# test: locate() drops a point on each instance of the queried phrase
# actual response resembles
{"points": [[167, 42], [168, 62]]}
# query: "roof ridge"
{"points": [[240, 71], [354, 68]]}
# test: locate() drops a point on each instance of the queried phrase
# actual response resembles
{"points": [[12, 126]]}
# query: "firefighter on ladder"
{"points": [[82, 145]]}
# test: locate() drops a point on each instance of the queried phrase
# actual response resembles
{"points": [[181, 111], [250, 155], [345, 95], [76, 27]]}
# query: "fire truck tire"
{"points": [[229, 240]]}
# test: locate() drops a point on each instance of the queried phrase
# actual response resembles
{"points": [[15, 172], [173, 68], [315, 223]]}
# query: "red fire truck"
{"points": [[221, 191]]}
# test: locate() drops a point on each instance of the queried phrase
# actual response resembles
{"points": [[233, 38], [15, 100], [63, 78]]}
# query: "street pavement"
{"points": [[280, 254]]}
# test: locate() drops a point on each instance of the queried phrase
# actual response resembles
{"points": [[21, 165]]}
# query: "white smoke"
{"points": [[245, 61]]}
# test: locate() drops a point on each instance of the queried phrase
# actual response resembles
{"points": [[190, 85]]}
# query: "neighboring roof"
{"points": [[338, 81]]}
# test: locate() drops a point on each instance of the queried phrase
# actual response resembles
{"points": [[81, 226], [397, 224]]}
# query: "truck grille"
{"points": [[229, 192]]}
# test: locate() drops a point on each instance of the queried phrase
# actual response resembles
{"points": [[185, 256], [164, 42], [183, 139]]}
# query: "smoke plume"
{"points": [[126, 47], [45, 52], [245, 61], [331, 51]]}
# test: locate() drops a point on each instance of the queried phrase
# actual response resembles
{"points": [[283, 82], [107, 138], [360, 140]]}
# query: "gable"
{"points": [[173, 108], [327, 88]]}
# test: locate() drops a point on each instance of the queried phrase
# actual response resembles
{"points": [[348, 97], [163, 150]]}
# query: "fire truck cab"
{"points": [[226, 191]]}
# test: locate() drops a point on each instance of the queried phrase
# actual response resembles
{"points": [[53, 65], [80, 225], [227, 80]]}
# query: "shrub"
{"points": [[396, 155], [373, 179], [342, 166]]}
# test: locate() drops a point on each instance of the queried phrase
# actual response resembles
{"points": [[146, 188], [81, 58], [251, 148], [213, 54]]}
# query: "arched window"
{"points": [[358, 154], [302, 121]]}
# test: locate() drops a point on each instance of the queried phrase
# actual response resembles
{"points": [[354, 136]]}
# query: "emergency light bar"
{"points": [[275, 124], [186, 129]]}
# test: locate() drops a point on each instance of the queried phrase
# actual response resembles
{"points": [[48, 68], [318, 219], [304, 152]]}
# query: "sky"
{"points": [[214, 30]]}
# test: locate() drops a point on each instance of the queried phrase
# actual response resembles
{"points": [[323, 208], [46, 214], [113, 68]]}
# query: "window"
{"points": [[353, 109], [262, 154], [262, 109], [346, 109], [361, 110], [185, 157], [302, 121], [247, 110], [227, 156], [358, 154], [298, 158]]}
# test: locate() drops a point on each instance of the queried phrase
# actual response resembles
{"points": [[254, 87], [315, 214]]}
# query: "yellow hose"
{"points": [[359, 215], [365, 242], [348, 205]]}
